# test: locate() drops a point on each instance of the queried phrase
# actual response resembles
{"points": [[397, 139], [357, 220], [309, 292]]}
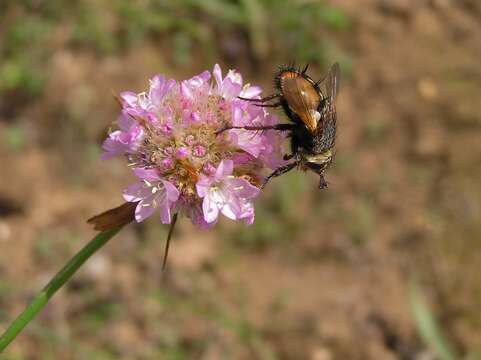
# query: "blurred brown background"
{"points": [[321, 275]]}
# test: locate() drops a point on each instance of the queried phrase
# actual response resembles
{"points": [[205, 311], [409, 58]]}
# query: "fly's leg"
{"points": [[261, 100], [277, 104], [322, 182], [279, 171], [294, 150], [295, 155], [288, 156], [279, 127]]}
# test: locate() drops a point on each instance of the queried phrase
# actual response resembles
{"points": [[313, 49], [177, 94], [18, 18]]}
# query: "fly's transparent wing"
{"points": [[326, 127], [329, 85], [333, 81]]}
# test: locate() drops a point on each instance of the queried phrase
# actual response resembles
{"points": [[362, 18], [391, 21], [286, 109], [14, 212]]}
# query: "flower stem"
{"points": [[56, 283], [169, 236]]}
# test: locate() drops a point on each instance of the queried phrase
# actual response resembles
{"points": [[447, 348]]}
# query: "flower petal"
{"points": [[159, 88], [234, 76], [247, 213], [242, 188], [185, 91], [124, 121], [250, 92], [136, 192], [230, 90], [129, 97], [113, 147], [165, 214], [217, 72], [210, 209], [232, 208], [171, 191], [143, 211], [195, 214], [225, 168], [203, 185], [146, 174]]}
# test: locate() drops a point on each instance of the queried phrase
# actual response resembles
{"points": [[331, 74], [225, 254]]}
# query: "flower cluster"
{"points": [[171, 136]]}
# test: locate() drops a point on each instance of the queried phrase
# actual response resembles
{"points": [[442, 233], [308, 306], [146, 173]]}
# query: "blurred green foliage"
{"points": [[428, 328], [375, 130], [14, 138], [206, 307], [34, 30], [19, 58], [360, 221]]}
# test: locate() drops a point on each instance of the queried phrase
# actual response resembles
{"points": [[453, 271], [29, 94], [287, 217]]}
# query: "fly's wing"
{"points": [[326, 129], [302, 99], [333, 81], [330, 84]]}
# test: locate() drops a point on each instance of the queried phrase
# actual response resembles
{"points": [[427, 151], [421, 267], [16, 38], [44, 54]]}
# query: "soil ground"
{"points": [[322, 274]]}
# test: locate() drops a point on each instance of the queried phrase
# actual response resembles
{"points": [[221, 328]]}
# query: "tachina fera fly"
{"points": [[309, 105]]}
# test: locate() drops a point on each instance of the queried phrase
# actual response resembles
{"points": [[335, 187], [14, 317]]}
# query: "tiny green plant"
{"points": [[427, 326], [53, 286]]}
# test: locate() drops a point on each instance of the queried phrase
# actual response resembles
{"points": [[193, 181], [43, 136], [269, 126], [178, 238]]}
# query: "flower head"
{"points": [[170, 137]]}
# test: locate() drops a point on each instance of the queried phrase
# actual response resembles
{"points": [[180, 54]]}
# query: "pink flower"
{"points": [[170, 135], [226, 194], [151, 193]]}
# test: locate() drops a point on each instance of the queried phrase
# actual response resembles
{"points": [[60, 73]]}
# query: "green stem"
{"points": [[51, 288]]}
